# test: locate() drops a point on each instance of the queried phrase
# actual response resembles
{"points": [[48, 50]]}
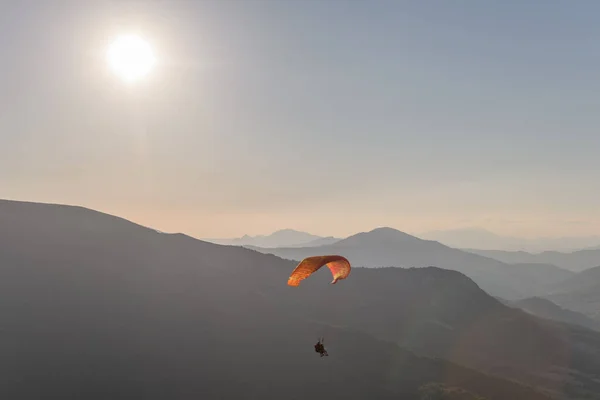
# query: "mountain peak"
{"points": [[382, 235], [281, 238], [288, 230], [385, 230]]}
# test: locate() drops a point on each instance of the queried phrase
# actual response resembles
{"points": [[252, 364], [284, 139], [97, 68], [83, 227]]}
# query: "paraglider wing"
{"points": [[338, 265]]}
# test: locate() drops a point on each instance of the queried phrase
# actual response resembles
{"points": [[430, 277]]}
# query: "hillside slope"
{"points": [[545, 308], [442, 313], [116, 310], [580, 293]]}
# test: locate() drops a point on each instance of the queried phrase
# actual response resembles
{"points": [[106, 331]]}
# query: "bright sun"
{"points": [[131, 57]]}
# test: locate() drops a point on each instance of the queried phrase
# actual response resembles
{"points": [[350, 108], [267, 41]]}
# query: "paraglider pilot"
{"points": [[319, 348]]}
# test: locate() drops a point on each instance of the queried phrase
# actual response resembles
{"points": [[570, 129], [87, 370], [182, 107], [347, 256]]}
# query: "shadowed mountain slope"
{"points": [[545, 308], [443, 313], [95, 307], [579, 293]]}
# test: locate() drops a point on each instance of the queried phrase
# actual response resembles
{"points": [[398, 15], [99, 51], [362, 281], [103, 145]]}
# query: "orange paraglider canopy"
{"points": [[338, 265]]}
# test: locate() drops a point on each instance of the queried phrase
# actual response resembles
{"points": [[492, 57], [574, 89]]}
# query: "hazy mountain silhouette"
{"points": [[545, 308], [313, 243], [281, 238], [384, 247], [573, 261], [96, 307], [323, 241], [481, 239], [580, 293]]}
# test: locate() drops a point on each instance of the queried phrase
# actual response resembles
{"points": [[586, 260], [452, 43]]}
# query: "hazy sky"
{"points": [[327, 116]]}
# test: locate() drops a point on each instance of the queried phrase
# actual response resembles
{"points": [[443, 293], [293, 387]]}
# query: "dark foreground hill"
{"points": [[384, 247], [94, 307], [444, 314]]}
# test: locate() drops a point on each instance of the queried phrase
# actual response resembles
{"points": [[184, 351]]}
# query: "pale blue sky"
{"points": [[327, 116]]}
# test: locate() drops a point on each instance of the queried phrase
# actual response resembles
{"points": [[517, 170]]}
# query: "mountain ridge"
{"points": [[482, 239], [386, 246], [544, 308], [579, 293], [279, 238], [161, 305], [575, 261], [126, 312]]}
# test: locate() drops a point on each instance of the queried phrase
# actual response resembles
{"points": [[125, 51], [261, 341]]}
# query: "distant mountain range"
{"points": [[574, 261], [384, 247], [98, 306], [117, 310], [508, 275], [479, 241], [281, 238], [575, 300], [482, 239]]}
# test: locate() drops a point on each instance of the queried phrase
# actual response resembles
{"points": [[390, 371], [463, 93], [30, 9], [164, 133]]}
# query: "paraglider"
{"points": [[338, 265], [340, 269]]}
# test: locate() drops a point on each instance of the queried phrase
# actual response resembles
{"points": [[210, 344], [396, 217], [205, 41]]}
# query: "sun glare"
{"points": [[131, 57]]}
